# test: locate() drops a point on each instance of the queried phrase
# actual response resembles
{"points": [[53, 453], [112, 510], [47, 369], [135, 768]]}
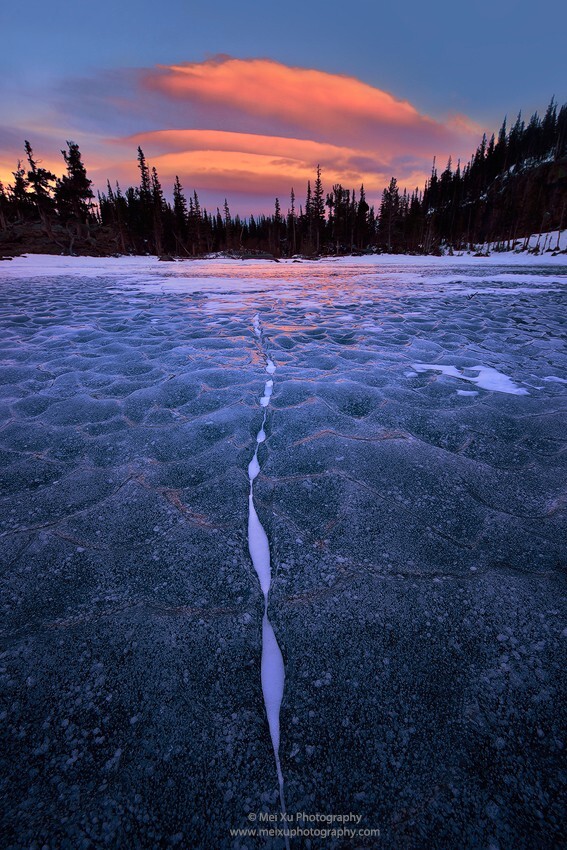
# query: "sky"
{"points": [[243, 99]]}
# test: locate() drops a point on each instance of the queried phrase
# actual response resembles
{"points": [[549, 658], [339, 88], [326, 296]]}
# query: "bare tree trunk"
{"points": [[557, 248]]}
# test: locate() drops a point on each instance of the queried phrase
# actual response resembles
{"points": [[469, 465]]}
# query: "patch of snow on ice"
{"points": [[487, 378]]}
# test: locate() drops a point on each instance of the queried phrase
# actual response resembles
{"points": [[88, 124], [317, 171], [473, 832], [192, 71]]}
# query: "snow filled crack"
{"points": [[272, 665]]}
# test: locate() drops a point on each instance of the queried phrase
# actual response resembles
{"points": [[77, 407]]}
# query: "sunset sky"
{"points": [[244, 99]]}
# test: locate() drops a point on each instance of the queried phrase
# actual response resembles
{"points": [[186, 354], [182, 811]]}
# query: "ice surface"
{"points": [[411, 536]]}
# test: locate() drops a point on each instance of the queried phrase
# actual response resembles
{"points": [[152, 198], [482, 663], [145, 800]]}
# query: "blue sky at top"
{"points": [[479, 58]]}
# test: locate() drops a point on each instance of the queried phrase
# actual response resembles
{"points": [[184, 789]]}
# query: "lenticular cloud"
{"points": [[319, 105]]}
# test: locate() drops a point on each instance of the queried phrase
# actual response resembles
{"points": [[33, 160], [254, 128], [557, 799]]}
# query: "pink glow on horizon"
{"points": [[236, 162]]}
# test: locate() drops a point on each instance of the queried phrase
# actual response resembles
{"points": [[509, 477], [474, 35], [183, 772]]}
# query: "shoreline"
{"points": [[554, 245], [43, 265]]}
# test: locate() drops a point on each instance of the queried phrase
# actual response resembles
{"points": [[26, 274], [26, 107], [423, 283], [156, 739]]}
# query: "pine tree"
{"points": [[549, 128], [561, 134], [19, 194], [113, 210], [227, 225], [308, 217], [141, 206], [362, 211], [73, 193], [292, 222], [318, 210], [180, 214], [514, 140], [145, 182], [39, 180], [3, 207], [501, 150], [158, 210], [389, 213], [197, 205], [197, 223]]}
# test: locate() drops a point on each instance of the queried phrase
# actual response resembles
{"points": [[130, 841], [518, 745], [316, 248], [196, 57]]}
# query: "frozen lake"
{"points": [[407, 458]]}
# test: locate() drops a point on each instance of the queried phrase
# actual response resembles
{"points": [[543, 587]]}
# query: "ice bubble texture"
{"points": [[415, 526]]}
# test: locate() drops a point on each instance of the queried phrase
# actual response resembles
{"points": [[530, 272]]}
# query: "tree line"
{"points": [[514, 184]]}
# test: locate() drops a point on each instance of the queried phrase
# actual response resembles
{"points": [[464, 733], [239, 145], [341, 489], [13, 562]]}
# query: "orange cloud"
{"points": [[265, 87], [316, 102], [178, 140], [228, 161]]}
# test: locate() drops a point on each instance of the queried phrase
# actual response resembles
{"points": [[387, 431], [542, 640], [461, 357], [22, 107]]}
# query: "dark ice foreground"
{"points": [[416, 523]]}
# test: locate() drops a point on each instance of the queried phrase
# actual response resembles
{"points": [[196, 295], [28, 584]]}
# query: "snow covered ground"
{"points": [[395, 428]]}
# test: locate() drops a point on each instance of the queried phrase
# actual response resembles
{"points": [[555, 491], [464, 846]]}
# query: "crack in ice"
{"points": [[272, 665]]}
